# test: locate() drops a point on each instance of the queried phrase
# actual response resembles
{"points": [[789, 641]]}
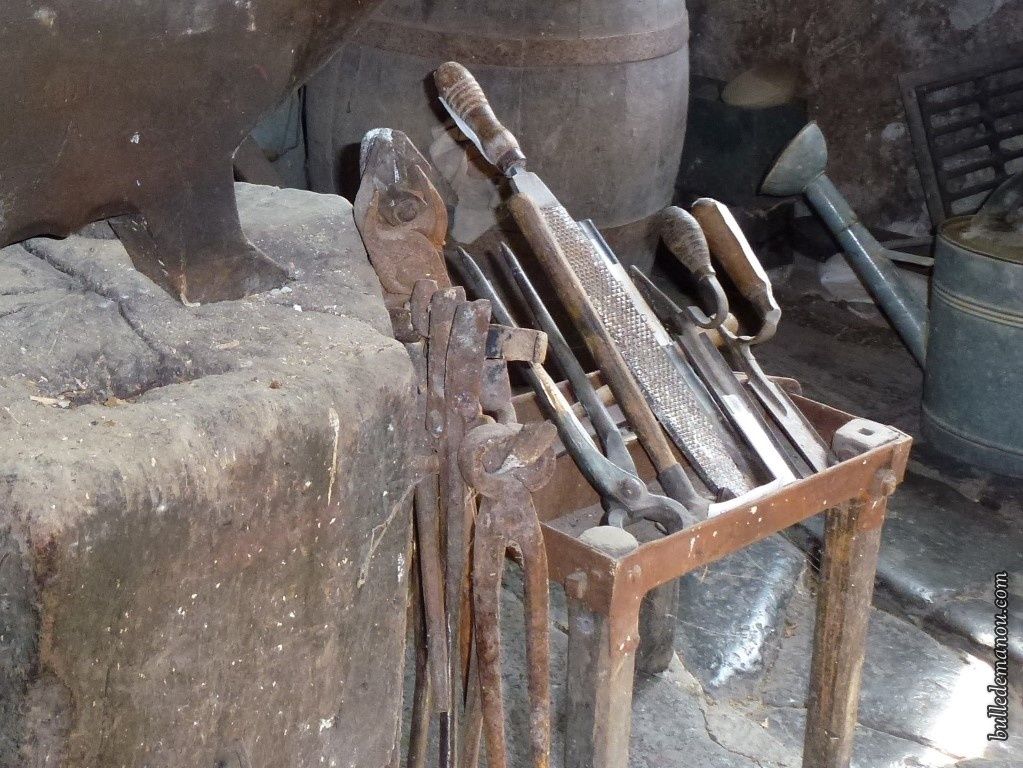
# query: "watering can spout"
{"points": [[800, 169], [802, 161]]}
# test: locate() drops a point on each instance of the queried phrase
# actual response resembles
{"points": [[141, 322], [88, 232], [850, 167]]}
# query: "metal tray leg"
{"points": [[600, 677], [658, 619], [851, 541]]}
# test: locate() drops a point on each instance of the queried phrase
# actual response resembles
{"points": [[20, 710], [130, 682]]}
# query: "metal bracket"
{"points": [[859, 436]]}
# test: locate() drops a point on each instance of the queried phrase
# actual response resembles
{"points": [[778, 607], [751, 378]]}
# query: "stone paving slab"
{"points": [[914, 688], [731, 614], [872, 749]]}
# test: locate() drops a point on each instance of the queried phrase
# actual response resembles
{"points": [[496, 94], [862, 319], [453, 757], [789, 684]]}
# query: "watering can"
{"points": [[970, 344]]}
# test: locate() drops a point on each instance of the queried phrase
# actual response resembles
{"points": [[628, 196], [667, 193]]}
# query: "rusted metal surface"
{"points": [[607, 591], [462, 361], [427, 512], [401, 216], [464, 337], [660, 561], [135, 110], [599, 686], [422, 697], [504, 463], [432, 692]]}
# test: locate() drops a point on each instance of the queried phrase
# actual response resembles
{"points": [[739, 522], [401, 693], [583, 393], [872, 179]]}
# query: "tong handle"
{"points": [[464, 99], [685, 239], [731, 248]]}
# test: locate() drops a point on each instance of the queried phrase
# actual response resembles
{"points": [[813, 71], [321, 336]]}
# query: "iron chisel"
{"points": [[729, 245], [720, 380]]}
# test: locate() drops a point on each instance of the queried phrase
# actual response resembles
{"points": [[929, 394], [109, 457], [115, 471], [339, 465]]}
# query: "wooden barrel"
{"points": [[595, 90]]}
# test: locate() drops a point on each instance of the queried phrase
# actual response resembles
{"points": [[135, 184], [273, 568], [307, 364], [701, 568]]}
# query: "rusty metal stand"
{"points": [[658, 619], [605, 592]]}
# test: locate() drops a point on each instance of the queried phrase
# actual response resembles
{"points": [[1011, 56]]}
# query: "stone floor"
{"points": [[734, 697]]}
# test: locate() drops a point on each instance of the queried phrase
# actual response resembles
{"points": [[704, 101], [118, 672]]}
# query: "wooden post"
{"points": [[852, 538]]}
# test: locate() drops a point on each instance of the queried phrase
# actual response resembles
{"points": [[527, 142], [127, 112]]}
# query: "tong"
{"points": [[725, 240], [624, 497]]}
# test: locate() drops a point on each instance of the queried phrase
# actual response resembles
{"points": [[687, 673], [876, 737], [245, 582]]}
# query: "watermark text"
{"points": [[998, 710]]}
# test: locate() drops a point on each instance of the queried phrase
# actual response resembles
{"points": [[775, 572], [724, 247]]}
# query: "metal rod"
{"points": [[603, 424]]}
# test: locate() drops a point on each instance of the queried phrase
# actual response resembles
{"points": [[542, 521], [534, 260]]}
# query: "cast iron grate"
{"points": [[967, 128]]}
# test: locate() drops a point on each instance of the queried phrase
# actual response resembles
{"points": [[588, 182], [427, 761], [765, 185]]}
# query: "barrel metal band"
{"points": [[477, 50], [977, 309]]}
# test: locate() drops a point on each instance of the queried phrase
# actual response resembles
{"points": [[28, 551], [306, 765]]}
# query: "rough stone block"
{"points": [[204, 517]]}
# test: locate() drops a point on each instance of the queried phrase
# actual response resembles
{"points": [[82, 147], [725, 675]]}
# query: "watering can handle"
{"points": [[732, 250]]}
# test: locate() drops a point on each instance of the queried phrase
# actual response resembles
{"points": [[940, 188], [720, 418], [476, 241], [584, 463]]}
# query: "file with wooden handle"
{"points": [[650, 379], [730, 246]]}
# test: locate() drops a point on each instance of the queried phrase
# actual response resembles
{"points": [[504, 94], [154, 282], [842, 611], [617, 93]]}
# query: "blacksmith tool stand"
{"points": [[607, 574], [605, 592]]}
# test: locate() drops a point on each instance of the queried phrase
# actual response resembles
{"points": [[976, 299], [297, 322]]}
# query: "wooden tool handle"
{"points": [[464, 99], [731, 248], [615, 370], [685, 239]]}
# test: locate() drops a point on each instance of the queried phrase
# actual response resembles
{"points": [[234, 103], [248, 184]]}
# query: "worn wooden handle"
{"points": [[683, 236], [732, 250], [613, 367], [464, 99]]}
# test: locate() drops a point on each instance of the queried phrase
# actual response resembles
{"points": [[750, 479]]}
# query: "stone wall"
{"points": [[850, 54]]}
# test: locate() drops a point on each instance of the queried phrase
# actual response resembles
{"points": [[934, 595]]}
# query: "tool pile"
{"points": [[715, 428], [473, 506], [736, 433]]}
